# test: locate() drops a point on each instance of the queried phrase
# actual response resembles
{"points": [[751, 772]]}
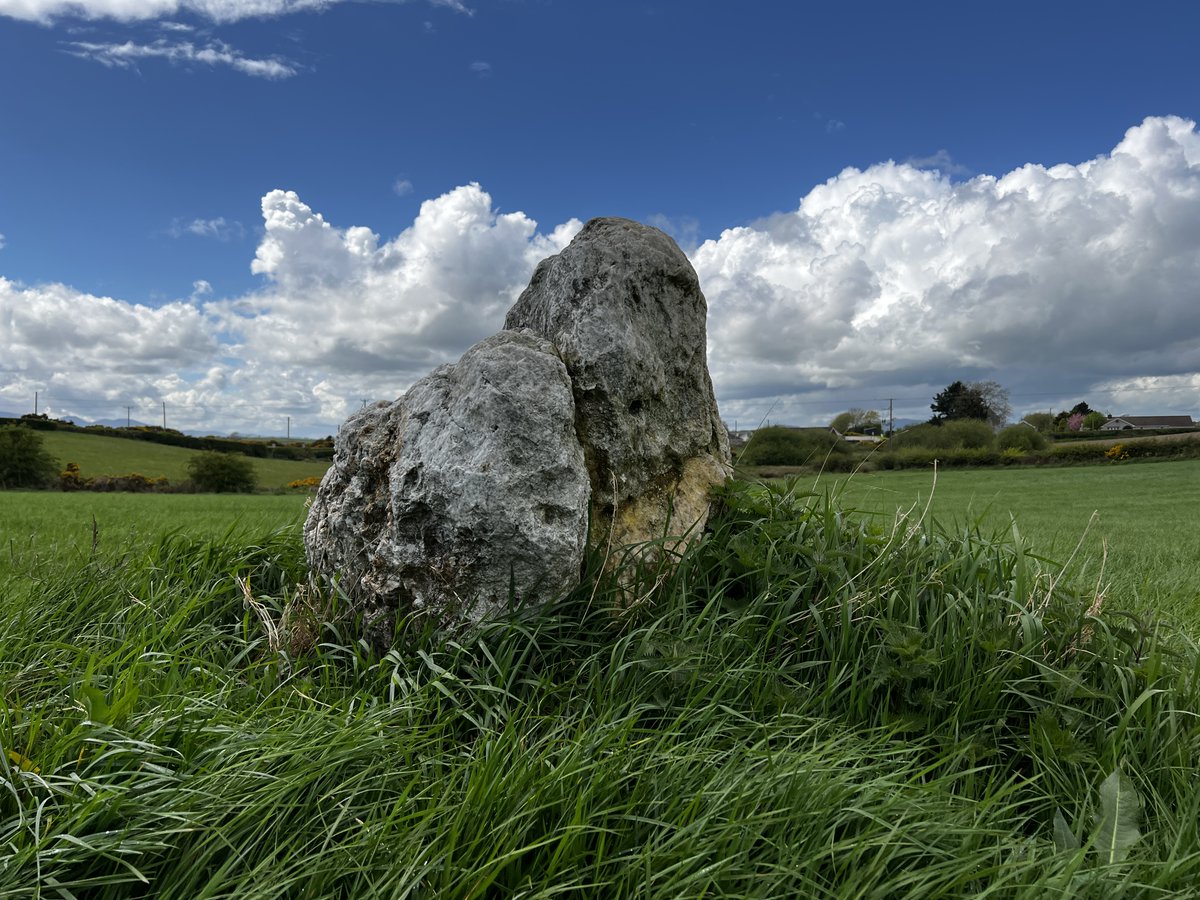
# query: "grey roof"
{"points": [[1157, 421]]}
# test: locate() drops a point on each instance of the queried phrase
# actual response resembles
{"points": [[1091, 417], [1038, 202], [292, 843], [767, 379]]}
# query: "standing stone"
{"points": [[623, 307], [468, 492]]}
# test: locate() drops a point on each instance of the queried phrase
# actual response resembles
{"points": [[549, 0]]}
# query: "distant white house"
{"points": [[1139, 423]]}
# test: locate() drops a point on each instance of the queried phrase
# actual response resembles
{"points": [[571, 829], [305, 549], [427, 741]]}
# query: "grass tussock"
{"points": [[808, 705]]}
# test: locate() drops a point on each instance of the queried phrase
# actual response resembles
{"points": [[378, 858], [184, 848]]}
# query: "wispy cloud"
{"points": [[46, 11], [217, 228], [1, 242], [481, 68], [402, 187], [832, 126], [214, 53]]}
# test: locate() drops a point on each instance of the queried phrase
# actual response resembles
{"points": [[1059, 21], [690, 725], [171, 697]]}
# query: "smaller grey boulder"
{"points": [[467, 493]]}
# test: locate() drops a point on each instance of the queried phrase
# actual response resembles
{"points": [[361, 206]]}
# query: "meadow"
{"points": [[816, 702], [56, 528], [101, 455], [1132, 529]]}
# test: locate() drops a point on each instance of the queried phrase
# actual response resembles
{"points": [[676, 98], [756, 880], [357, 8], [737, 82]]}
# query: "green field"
{"points": [[1145, 517], [100, 455], [812, 704], [48, 524]]}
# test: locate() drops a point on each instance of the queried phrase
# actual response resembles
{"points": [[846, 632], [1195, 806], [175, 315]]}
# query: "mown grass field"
{"points": [[815, 703], [102, 455]]}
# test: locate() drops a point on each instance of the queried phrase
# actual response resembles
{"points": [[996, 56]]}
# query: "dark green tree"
{"points": [[996, 398], [222, 473], [24, 461], [959, 401]]}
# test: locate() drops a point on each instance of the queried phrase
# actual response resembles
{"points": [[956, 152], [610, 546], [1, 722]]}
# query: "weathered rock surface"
{"points": [[589, 421], [623, 307], [469, 488]]}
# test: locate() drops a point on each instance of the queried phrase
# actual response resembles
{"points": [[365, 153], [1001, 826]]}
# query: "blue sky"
{"points": [[152, 251]]}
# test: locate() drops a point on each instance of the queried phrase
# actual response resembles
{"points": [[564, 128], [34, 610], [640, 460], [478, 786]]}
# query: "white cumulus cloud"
{"points": [[366, 317], [894, 276], [342, 302], [889, 281], [53, 328]]}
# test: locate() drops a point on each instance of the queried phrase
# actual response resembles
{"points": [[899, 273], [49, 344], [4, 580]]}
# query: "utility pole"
{"points": [[289, 428], [164, 415], [35, 401], [891, 418], [128, 411]]}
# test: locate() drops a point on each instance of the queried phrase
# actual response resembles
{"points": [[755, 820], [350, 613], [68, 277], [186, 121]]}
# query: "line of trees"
{"points": [[25, 463], [983, 401], [1079, 417]]}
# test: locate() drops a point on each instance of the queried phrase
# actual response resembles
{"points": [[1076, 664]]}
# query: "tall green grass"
{"points": [[810, 704], [1132, 530], [61, 529]]}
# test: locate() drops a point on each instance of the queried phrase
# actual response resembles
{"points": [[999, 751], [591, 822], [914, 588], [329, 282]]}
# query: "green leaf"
{"points": [[1064, 838], [95, 702], [1118, 817]]}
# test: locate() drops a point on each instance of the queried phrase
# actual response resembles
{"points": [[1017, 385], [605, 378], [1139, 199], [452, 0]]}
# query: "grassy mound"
{"points": [[807, 706]]}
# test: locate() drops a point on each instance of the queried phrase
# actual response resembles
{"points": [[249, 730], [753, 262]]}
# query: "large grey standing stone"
{"points": [[623, 307], [469, 490]]}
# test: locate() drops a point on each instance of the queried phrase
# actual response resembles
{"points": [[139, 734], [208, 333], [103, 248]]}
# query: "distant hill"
{"points": [[131, 423], [110, 423], [97, 454]]}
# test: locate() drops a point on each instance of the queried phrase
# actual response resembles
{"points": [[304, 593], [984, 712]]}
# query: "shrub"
{"points": [[777, 445], [908, 458], [957, 434], [311, 483], [1021, 437], [1075, 453], [71, 479], [24, 462], [133, 483], [1012, 456], [222, 472]]}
